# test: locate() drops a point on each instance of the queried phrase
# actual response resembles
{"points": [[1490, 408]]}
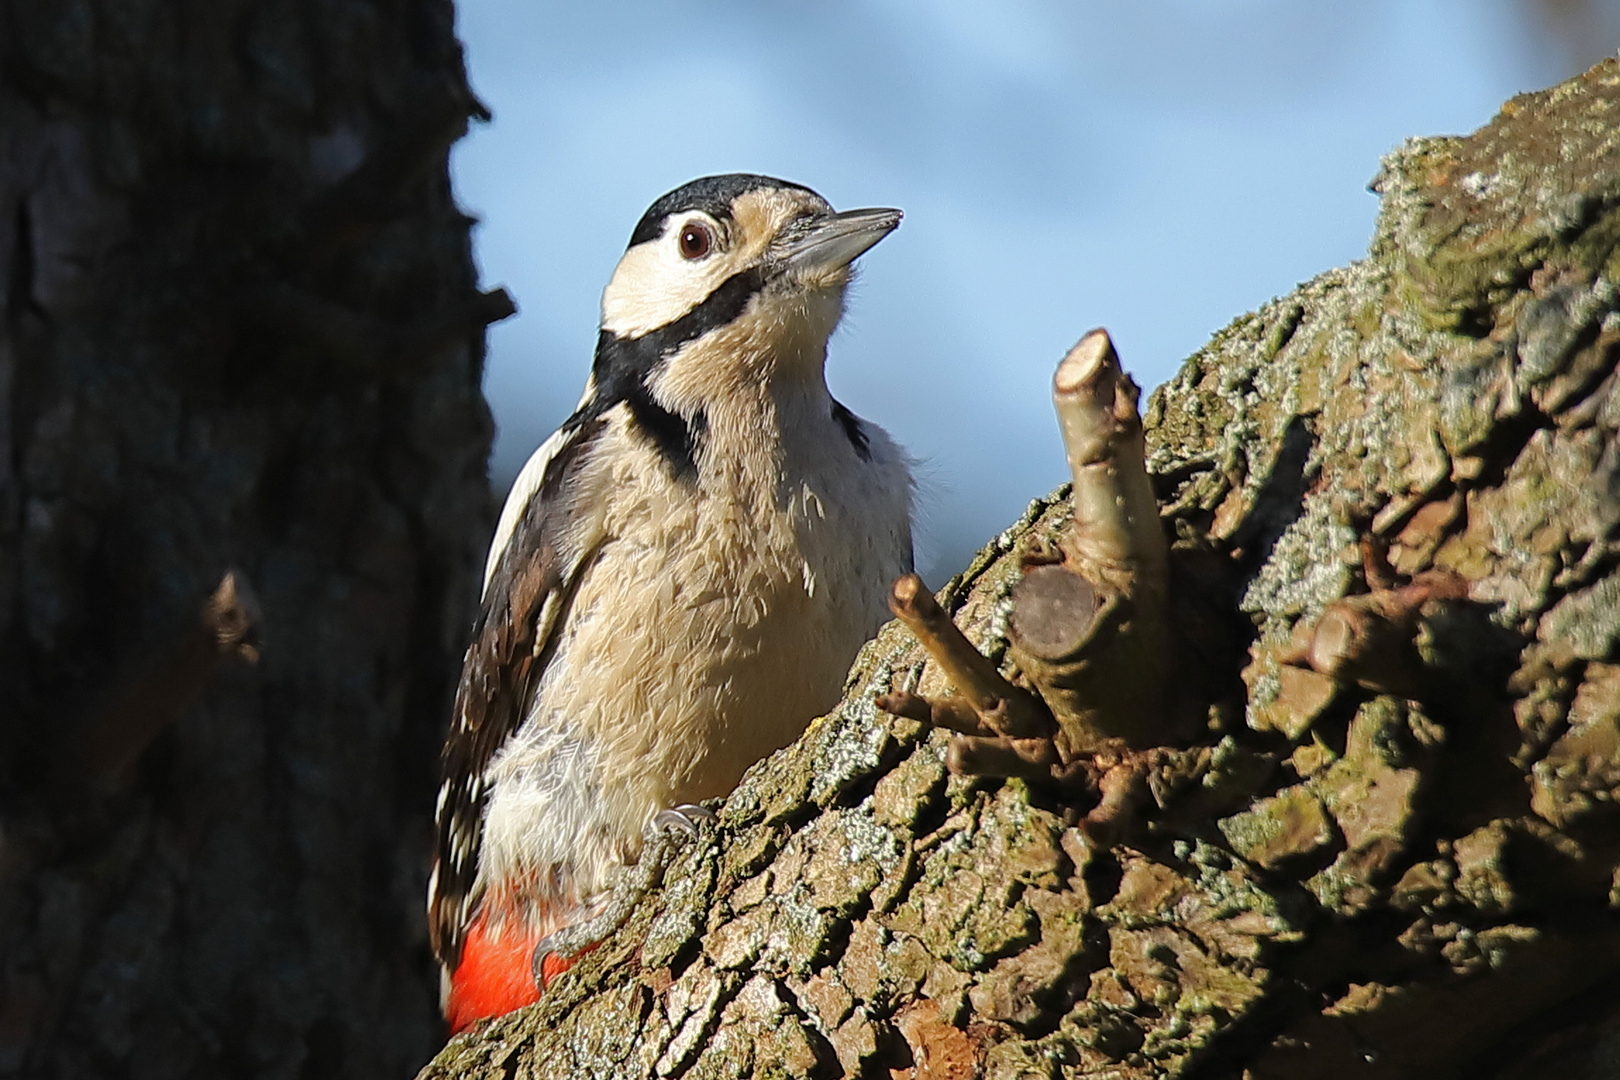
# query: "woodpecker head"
{"points": [[735, 278]]}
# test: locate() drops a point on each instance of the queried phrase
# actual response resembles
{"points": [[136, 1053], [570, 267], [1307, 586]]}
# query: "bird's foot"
{"points": [[556, 952], [549, 962], [684, 819]]}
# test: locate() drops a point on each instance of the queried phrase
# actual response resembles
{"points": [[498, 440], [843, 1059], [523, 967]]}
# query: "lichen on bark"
{"points": [[1331, 879]]}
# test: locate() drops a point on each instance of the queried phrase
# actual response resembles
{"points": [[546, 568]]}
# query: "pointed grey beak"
{"points": [[835, 241]]}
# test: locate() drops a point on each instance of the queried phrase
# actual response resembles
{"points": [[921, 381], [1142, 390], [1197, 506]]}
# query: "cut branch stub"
{"points": [[1368, 640], [1054, 611], [1117, 537], [1090, 631], [233, 617], [985, 703], [227, 627], [1088, 625]]}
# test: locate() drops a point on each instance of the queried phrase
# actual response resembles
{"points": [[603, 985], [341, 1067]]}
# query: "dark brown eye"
{"points": [[696, 240]]}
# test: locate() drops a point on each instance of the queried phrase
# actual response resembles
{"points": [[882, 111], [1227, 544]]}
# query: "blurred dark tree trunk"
{"points": [[239, 329]]}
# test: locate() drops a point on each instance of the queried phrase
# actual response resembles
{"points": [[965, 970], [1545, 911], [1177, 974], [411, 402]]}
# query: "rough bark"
{"points": [[239, 330], [1403, 868]]}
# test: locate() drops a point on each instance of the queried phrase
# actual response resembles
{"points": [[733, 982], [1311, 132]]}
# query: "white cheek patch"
{"points": [[653, 286]]}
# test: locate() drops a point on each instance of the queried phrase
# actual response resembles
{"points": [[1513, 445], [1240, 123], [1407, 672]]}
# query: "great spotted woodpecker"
{"points": [[679, 579]]}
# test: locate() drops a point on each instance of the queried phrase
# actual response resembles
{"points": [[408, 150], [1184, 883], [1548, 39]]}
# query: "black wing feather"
{"points": [[509, 650]]}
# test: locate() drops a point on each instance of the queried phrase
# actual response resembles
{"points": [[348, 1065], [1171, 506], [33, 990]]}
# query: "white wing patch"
{"points": [[527, 483], [523, 488]]}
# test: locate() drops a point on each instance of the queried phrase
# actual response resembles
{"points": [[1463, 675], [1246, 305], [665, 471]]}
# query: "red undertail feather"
{"points": [[496, 974]]}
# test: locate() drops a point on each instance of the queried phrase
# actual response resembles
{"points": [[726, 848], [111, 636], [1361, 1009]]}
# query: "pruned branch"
{"points": [[228, 627]]}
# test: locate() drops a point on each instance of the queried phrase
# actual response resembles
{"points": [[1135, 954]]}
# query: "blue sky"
{"points": [[1156, 167]]}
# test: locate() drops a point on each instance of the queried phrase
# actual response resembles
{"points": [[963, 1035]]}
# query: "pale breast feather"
{"points": [[535, 562]]}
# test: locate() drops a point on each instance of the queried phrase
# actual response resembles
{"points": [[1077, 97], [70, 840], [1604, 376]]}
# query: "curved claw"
{"points": [[684, 818], [543, 960], [548, 961]]}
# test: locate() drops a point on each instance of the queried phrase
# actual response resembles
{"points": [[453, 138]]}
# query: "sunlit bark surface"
{"points": [[1390, 849]]}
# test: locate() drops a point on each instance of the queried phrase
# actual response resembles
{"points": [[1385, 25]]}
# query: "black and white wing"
{"points": [[540, 550]]}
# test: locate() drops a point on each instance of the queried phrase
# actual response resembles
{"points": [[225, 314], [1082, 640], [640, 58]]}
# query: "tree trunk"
{"points": [[239, 332], [1394, 497]]}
